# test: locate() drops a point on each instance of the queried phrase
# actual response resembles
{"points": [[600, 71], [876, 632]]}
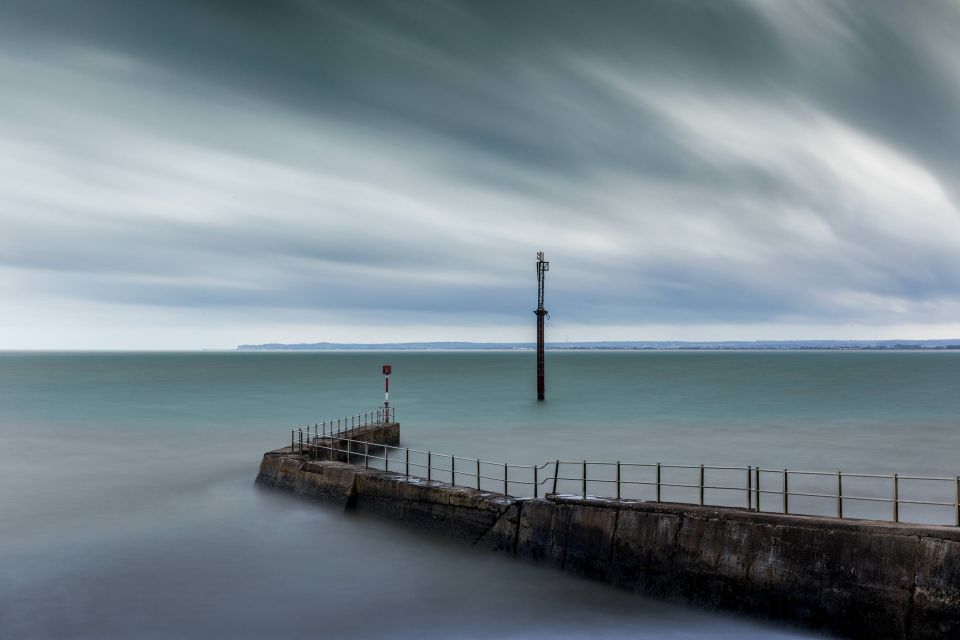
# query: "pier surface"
{"points": [[858, 579]]}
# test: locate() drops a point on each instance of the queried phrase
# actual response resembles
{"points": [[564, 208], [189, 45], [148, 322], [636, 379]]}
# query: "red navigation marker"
{"points": [[387, 369]]}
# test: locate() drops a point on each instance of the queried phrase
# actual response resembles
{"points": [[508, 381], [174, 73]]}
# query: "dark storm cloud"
{"points": [[691, 162], [492, 77]]}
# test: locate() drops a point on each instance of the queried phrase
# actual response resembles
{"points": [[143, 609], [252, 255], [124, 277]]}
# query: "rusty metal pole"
{"points": [[658, 482], [839, 494], [542, 268], [584, 479], [896, 498], [541, 383], [618, 479]]}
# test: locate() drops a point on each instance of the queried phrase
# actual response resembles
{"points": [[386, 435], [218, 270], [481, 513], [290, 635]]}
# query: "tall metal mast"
{"points": [[542, 268]]}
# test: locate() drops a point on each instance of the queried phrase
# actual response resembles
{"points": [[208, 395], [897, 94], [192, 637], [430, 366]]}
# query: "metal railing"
{"points": [[790, 491], [894, 497], [484, 475], [340, 427]]}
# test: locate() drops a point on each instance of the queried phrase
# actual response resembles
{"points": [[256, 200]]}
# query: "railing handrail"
{"points": [[341, 442]]}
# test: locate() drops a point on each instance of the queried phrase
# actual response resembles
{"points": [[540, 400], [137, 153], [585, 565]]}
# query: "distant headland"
{"points": [[734, 345]]}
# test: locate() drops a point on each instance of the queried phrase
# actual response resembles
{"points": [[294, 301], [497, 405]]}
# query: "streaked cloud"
{"points": [[208, 173]]}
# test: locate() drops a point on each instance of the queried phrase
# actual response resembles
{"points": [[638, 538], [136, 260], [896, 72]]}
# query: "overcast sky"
{"points": [[188, 174]]}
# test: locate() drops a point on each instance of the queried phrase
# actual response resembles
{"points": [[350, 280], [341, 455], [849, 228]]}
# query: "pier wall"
{"points": [[855, 579]]}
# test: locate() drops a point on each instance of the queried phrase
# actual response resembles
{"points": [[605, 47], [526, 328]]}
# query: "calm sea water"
{"points": [[128, 506]]}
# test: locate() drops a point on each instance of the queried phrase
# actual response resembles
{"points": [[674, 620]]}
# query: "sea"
{"points": [[128, 507]]}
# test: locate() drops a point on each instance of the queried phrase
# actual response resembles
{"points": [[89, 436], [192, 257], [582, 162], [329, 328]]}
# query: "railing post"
{"points": [[453, 470], [292, 449], [429, 464], [478, 474], [407, 462], [301, 441], [366, 455], [786, 491], [749, 488], [896, 498], [956, 502], [535, 486], [618, 479], [839, 494], [658, 482], [584, 479], [556, 473], [757, 484], [349, 448], [506, 472], [701, 485]]}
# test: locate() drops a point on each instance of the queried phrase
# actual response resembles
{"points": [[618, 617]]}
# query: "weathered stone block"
{"points": [[327, 482], [643, 548], [589, 539], [268, 469], [502, 536], [936, 601], [542, 537], [286, 478]]}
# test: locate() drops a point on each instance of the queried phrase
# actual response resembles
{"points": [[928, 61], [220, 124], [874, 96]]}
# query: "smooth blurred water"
{"points": [[128, 506]]}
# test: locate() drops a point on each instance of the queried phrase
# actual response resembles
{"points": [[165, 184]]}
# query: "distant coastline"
{"points": [[734, 345]]}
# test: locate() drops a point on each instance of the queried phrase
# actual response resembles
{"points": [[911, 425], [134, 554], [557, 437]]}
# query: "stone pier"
{"points": [[856, 579]]}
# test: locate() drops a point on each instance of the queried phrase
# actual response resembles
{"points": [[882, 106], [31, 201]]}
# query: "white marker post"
{"points": [[387, 369]]}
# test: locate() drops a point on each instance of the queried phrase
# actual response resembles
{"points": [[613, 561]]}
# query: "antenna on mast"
{"points": [[542, 267]]}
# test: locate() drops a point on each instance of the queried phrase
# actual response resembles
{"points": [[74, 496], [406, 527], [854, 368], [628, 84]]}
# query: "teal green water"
{"points": [[865, 410], [129, 510]]}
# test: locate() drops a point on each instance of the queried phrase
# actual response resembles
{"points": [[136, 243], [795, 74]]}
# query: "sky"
{"points": [[196, 174]]}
